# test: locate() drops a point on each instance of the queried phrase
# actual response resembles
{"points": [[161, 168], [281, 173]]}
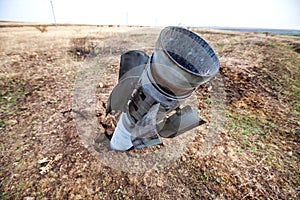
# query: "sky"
{"points": [[276, 14]]}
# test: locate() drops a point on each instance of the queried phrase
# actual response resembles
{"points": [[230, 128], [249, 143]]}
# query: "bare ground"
{"points": [[256, 155]]}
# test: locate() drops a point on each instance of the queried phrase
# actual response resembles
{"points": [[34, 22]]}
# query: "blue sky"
{"points": [[279, 14]]}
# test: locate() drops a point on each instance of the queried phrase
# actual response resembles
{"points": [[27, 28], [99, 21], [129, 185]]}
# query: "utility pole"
{"points": [[53, 13]]}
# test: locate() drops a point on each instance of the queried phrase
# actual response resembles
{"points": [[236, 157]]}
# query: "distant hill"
{"points": [[292, 32]]}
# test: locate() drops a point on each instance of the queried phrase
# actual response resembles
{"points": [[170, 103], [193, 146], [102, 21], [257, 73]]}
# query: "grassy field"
{"points": [[255, 156]]}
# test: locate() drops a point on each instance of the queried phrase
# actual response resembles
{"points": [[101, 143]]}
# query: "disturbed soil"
{"points": [[255, 154]]}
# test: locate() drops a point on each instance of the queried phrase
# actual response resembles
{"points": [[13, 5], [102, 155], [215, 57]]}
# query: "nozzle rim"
{"points": [[200, 41]]}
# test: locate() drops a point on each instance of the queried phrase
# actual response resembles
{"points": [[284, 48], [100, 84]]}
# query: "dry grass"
{"points": [[255, 157]]}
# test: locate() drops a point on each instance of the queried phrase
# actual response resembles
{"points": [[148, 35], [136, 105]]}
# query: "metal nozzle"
{"points": [[181, 62]]}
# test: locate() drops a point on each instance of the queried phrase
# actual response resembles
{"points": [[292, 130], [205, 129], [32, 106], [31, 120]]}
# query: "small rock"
{"points": [[101, 85], [11, 122], [28, 198], [209, 88], [290, 153], [266, 168], [43, 160], [183, 158]]}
